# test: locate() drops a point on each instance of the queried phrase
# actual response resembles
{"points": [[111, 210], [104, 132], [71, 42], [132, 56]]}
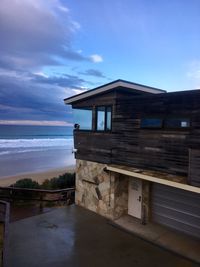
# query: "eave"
{"points": [[110, 86]]}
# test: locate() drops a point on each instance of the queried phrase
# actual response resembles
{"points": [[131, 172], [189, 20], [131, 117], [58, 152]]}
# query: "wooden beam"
{"points": [[154, 179]]}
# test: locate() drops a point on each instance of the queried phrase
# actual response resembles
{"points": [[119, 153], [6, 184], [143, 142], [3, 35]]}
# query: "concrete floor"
{"points": [[172, 240], [73, 236]]}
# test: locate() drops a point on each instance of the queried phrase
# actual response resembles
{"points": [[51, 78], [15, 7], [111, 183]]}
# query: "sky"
{"points": [[52, 49]]}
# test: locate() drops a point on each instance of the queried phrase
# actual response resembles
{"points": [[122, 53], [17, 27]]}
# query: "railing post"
{"points": [[41, 202], [5, 234]]}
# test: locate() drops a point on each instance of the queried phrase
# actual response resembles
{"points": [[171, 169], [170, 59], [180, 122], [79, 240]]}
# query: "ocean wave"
{"points": [[35, 143], [16, 151], [19, 151]]}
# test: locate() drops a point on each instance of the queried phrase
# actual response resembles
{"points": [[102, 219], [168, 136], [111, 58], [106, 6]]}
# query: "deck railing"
{"points": [[4, 222], [59, 195], [13, 195]]}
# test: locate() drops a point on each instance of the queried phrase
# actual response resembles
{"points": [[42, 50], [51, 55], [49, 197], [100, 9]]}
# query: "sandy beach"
{"points": [[36, 176], [33, 152]]}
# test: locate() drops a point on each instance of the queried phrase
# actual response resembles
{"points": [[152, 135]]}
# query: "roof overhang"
{"points": [[111, 86]]}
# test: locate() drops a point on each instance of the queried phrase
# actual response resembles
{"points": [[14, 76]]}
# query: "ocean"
{"points": [[27, 149]]}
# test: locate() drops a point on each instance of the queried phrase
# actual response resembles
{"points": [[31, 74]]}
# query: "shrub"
{"points": [[63, 181], [26, 183]]}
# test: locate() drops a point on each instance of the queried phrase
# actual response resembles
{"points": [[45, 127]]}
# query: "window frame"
{"points": [[85, 108], [105, 130], [163, 124], [176, 127]]}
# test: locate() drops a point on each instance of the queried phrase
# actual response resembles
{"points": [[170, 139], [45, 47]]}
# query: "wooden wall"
{"points": [[156, 149]]}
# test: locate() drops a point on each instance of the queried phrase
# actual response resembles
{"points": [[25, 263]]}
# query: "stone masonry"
{"points": [[100, 191]]}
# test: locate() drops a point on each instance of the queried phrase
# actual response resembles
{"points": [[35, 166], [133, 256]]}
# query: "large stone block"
{"points": [[102, 192]]}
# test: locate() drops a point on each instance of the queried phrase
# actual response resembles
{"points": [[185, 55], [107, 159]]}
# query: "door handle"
{"points": [[139, 199]]}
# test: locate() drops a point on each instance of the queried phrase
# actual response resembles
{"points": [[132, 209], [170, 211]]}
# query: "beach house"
{"points": [[137, 151]]}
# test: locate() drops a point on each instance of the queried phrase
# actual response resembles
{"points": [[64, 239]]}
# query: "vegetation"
{"points": [[63, 181], [26, 183]]}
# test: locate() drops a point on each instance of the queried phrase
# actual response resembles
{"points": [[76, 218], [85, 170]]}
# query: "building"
{"points": [[138, 153]]}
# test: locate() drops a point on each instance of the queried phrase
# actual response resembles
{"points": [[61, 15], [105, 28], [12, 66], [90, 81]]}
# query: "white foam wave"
{"points": [[18, 150], [34, 143]]}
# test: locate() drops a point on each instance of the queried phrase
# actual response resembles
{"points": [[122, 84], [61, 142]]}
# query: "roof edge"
{"points": [[112, 85]]}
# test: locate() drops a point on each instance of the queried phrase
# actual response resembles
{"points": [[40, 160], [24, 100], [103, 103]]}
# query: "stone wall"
{"points": [[94, 188], [120, 195], [100, 191]]}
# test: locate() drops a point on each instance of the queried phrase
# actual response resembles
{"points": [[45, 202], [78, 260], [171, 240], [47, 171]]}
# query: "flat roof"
{"points": [[110, 86]]}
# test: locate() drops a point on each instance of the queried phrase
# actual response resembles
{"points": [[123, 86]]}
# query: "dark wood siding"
{"points": [[194, 167], [104, 99], [155, 149]]}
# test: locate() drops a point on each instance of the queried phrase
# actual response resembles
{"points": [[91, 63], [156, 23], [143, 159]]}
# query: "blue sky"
{"points": [[52, 49]]}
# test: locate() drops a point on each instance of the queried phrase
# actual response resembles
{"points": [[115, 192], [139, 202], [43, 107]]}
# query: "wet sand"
{"points": [[36, 176], [35, 161]]}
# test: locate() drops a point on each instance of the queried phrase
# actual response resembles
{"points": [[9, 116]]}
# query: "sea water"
{"points": [[26, 149]]}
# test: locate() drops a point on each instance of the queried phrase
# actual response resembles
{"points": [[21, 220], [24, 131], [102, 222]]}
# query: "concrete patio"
{"points": [[178, 242], [73, 236]]}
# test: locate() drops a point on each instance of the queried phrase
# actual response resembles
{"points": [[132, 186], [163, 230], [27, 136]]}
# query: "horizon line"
{"points": [[35, 123]]}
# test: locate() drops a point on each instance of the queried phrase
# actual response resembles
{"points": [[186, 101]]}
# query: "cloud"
{"points": [[34, 97], [79, 91], [65, 80], [93, 72], [63, 8], [35, 123], [31, 32], [40, 73], [96, 58], [194, 70], [36, 35], [193, 73]]}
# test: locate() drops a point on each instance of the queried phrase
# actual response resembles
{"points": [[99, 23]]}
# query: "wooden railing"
{"points": [[4, 222], [13, 194]]}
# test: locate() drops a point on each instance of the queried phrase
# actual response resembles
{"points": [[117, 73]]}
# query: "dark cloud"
{"points": [[30, 35], [35, 97], [37, 34], [65, 80], [93, 72]]}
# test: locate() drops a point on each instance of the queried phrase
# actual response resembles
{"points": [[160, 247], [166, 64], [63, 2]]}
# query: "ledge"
{"points": [[144, 176]]}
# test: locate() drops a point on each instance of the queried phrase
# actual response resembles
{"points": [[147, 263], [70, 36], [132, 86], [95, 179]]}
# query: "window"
{"points": [[83, 117], [151, 123], [103, 118], [108, 118], [168, 123], [177, 123]]}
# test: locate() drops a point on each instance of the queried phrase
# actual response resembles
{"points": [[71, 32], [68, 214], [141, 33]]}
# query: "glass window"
{"points": [[109, 118], [83, 117], [104, 118], [100, 118], [151, 123], [177, 123]]}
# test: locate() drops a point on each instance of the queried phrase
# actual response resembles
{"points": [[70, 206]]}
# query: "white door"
{"points": [[135, 197]]}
